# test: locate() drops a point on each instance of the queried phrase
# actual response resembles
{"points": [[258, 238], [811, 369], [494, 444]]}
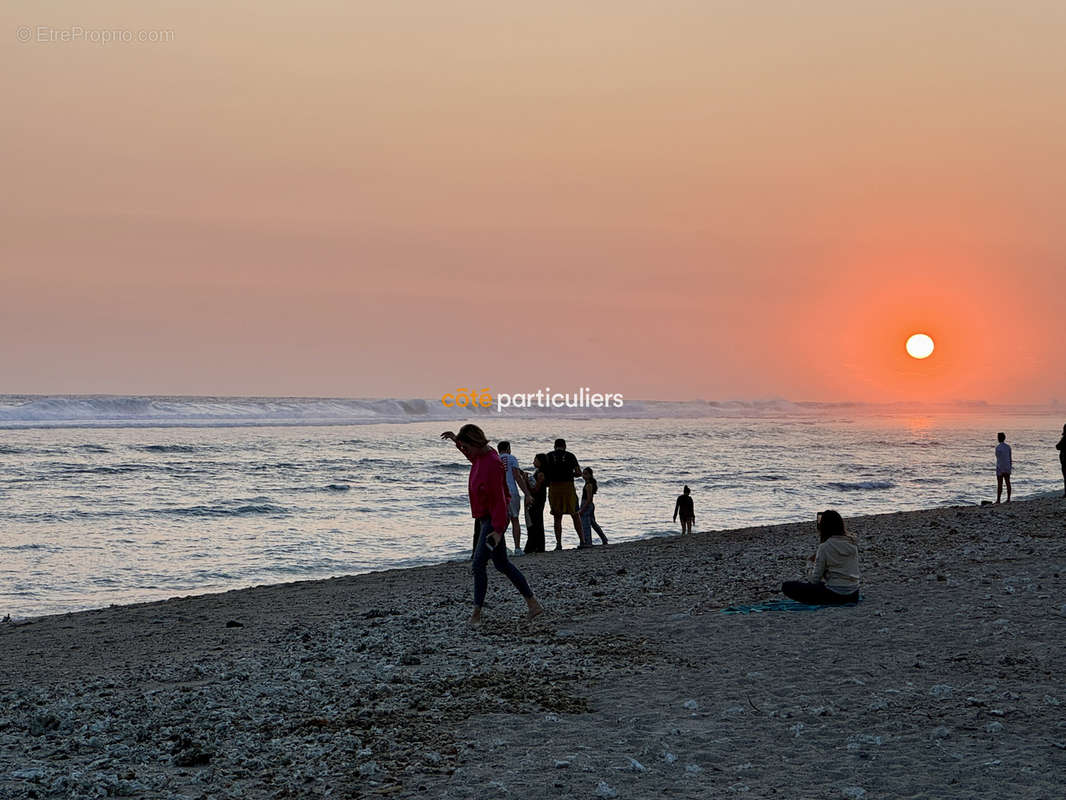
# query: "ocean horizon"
{"points": [[120, 410]]}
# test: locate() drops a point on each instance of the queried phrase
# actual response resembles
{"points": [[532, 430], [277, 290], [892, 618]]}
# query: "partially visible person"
{"points": [[587, 509], [489, 505], [1004, 465], [536, 488], [685, 508], [1061, 447], [511, 470], [527, 504], [833, 579], [561, 467]]}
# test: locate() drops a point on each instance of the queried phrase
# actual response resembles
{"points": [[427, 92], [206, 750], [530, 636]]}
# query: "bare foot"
{"points": [[475, 618], [535, 610]]}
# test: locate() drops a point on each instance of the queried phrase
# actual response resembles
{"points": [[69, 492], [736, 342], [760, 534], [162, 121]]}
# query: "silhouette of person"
{"points": [[511, 470], [1061, 447], [685, 508], [536, 489], [587, 509], [561, 467], [1004, 465]]}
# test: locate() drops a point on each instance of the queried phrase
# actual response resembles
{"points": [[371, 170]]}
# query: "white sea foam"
{"points": [[123, 411], [118, 411]]}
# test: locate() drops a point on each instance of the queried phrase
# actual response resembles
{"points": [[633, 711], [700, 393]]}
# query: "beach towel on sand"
{"points": [[778, 605]]}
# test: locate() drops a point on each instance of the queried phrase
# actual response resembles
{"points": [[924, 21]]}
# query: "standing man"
{"points": [[514, 502], [685, 507], [561, 468], [1004, 464]]}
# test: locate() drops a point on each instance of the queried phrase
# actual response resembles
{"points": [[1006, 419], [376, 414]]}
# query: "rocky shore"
{"points": [[945, 682]]}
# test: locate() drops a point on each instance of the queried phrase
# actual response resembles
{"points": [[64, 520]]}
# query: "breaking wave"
{"points": [[859, 486], [114, 411]]}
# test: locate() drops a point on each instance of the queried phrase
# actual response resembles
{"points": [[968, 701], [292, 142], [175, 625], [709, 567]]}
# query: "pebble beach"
{"points": [[652, 674]]}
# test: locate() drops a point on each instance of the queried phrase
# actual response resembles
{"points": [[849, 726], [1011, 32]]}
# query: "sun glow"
{"points": [[920, 345]]}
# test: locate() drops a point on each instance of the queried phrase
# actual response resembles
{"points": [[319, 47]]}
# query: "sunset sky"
{"points": [[725, 200]]}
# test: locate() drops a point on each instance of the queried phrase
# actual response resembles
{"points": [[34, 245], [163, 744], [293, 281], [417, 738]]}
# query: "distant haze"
{"points": [[670, 199]]}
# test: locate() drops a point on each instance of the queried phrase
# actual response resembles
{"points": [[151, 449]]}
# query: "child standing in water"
{"points": [[587, 510]]}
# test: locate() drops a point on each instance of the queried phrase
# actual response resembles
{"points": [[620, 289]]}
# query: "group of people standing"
{"points": [[496, 486], [551, 484]]}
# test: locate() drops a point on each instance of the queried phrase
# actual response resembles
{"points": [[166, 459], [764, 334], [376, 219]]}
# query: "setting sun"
{"points": [[920, 346]]}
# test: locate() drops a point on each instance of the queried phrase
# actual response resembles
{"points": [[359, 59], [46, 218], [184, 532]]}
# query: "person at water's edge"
{"points": [[1061, 447], [1004, 466], [561, 467], [686, 509]]}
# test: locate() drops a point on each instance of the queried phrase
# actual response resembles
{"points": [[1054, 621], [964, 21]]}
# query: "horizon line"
{"points": [[978, 403]]}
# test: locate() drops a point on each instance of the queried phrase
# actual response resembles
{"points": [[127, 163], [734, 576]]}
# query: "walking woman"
{"points": [[1061, 447], [587, 509], [489, 506]]}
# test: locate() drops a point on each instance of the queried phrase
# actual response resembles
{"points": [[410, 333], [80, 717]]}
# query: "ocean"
{"points": [[110, 500]]}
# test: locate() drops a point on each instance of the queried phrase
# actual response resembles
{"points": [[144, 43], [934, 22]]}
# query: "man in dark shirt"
{"points": [[685, 507], [561, 468]]}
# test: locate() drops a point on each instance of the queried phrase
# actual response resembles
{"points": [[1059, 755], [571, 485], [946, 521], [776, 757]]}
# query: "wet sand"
{"points": [[945, 682]]}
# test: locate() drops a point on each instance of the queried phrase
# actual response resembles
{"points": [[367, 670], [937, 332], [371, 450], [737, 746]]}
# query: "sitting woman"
{"points": [[834, 576]]}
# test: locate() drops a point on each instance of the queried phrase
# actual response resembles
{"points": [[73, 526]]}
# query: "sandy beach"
{"points": [[945, 682]]}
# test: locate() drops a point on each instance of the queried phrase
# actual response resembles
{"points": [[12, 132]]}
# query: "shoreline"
{"points": [[632, 683], [16, 620]]}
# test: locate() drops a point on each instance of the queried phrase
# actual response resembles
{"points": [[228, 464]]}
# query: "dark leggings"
{"points": [[588, 524], [498, 554], [535, 530], [817, 594]]}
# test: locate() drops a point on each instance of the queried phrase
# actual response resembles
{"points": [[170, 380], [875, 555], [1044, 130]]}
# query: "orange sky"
{"points": [[669, 199]]}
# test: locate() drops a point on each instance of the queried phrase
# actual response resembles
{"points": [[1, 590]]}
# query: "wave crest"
{"points": [[859, 486]]}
